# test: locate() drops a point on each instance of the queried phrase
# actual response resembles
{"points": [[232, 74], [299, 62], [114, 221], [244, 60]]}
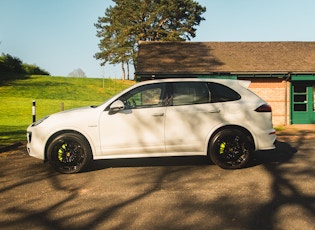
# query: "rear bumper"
{"points": [[266, 140]]}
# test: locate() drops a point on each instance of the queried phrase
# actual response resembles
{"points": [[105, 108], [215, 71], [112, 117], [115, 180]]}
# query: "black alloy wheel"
{"points": [[69, 153], [230, 149]]}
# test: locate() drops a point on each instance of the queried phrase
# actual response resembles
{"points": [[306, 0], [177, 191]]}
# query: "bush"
{"points": [[33, 70], [10, 64]]}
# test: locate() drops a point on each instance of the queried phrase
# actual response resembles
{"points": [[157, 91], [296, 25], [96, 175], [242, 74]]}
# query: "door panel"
{"points": [[190, 118], [139, 127], [303, 97], [133, 131], [187, 126]]}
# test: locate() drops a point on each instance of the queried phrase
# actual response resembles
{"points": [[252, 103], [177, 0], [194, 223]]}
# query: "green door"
{"points": [[303, 102]]}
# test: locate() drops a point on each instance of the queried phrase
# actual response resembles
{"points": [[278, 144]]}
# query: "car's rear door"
{"points": [[190, 118]]}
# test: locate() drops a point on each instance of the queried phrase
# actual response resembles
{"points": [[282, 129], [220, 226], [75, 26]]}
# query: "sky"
{"points": [[59, 35]]}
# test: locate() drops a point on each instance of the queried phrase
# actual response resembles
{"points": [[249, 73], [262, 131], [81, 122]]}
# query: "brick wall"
{"points": [[276, 92]]}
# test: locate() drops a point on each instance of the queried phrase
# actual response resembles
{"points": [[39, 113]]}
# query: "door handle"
{"points": [[158, 114], [214, 111]]}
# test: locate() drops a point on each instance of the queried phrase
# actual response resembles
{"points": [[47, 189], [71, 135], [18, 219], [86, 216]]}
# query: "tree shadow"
{"points": [[155, 193], [287, 191], [170, 58], [10, 137], [6, 79], [281, 154]]}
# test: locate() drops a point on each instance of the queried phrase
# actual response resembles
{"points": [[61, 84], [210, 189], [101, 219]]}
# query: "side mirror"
{"points": [[116, 106]]}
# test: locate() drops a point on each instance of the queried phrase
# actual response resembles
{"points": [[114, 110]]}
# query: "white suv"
{"points": [[159, 118]]}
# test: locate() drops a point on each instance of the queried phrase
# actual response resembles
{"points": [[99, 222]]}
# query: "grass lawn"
{"points": [[49, 93]]}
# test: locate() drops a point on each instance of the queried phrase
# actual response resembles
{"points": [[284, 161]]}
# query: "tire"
{"points": [[230, 149], [69, 153]]}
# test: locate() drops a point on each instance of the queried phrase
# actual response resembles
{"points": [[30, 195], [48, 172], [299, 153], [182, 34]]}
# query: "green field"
{"points": [[49, 93]]}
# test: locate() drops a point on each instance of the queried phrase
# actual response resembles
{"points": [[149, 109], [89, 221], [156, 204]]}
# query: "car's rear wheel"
{"points": [[230, 149], [69, 153]]}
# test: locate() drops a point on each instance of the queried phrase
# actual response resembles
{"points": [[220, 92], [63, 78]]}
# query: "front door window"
{"points": [[144, 97]]}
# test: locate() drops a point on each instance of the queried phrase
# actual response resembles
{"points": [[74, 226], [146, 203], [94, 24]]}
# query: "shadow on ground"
{"points": [[274, 192], [281, 154]]}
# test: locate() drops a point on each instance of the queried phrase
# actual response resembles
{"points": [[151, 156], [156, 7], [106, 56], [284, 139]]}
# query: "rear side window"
{"points": [[222, 93], [186, 93]]}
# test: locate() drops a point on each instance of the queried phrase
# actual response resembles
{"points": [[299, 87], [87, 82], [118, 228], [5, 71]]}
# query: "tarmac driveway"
{"points": [[277, 191]]}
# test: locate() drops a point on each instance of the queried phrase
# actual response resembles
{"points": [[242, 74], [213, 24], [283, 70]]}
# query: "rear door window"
{"points": [[186, 93]]}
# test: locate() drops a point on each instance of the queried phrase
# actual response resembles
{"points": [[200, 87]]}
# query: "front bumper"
{"points": [[29, 140], [35, 145]]}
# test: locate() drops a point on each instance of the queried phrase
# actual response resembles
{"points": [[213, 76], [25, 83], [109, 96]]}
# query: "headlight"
{"points": [[39, 121]]}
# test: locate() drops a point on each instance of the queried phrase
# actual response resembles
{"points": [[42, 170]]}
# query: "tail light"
{"points": [[265, 108]]}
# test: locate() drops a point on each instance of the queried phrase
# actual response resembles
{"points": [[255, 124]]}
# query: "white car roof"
{"points": [[228, 82]]}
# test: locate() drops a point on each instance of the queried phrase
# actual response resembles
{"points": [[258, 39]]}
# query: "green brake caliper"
{"points": [[222, 147], [61, 151]]}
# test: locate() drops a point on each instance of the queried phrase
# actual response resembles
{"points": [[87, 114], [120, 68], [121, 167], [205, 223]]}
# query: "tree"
{"points": [[10, 64], [128, 22], [77, 73], [34, 70]]}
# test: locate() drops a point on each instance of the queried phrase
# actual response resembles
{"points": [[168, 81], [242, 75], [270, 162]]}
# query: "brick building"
{"points": [[282, 73]]}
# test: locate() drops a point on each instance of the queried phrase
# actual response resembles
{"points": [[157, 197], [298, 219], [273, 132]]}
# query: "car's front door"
{"points": [[137, 129]]}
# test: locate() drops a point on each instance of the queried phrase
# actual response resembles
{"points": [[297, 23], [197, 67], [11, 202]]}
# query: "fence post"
{"points": [[34, 110], [62, 106]]}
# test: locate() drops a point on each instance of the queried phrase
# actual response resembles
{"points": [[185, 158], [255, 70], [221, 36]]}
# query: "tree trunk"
{"points": [[128, 71], [123, 70]]}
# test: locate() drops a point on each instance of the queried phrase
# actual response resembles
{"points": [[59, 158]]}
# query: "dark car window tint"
{"points": [[185, 93], [144, 97], [222, 93]]}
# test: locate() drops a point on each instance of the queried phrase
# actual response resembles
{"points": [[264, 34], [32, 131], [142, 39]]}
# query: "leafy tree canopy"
{"points": [[128, 22], [10, 64], [77, 73]]}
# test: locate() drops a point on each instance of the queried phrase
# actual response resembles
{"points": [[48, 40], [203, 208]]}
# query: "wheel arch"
{"points": [[51, 138], [237, 127]]}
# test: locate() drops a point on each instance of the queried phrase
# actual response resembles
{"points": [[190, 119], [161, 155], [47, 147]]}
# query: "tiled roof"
{"points": [[225, 57]]}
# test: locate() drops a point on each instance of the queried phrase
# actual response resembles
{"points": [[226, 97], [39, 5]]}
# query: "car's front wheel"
{"points": [[230, 149], [69, 153]]}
